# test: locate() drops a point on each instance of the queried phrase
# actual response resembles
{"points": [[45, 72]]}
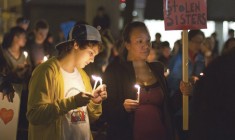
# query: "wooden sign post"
{"points": [[184, 15]]}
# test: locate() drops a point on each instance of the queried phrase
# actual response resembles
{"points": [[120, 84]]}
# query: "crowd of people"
{"points": [[58, 102]]}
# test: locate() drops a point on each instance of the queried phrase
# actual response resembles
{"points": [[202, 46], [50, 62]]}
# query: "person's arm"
{"points": [[113, 109], [94, 110]]}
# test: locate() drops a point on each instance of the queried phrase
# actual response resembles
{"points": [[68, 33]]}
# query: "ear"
{"points": [[127, 45], [75, 45]]}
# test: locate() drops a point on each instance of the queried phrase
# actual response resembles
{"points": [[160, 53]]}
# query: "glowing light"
{"points": [[138, 92]]}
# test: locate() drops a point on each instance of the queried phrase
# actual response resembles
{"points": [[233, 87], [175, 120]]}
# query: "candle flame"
{"points": [[45, 58], [137, 86], [25, 54], [96, 78]]}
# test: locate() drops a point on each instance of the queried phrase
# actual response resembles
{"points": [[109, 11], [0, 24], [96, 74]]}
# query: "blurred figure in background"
{"points": [[228, 45], [50, 49], [36, 46], [105, 56], [215, 47], [213, 106], [20, 71], [20, 22], [13, 52], [165, 55], [152, 57], [156, 43], [101, 19], [23, 23], [195, 67], [230, 33], [207, 50]]}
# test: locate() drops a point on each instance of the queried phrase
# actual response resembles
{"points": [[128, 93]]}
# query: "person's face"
{"points": [[231, 44], [158, 38], [139, 45], [41, 34], [20, 39], [166, 52], [196, 43], [24, 25], [152, 56], [85, 56]]}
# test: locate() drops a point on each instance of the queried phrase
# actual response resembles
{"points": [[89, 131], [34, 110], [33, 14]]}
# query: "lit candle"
{"points": [[97, 79], [201, 74], [25, 54], [138, 92], [100, 81], [45, 58], [167, 72]]}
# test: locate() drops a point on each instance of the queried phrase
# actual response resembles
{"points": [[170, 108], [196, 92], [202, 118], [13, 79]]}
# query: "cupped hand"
{"points": [[130, 105], [99, 94]]}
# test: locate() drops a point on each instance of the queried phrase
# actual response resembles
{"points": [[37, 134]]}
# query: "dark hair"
{"points": [[230, 31], [165, 44], [21, 20], [41, 24], [8, 38], [129, 28], [126, 34], [158, 34], [101, 8], [67, 47], [226, 46], [193, 33]]}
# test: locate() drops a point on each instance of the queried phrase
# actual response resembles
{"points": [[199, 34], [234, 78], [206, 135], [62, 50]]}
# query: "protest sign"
{"points": [[185, 14], [9, 115]]}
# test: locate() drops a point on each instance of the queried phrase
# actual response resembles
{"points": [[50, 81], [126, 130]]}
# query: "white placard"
{"points": [[9, 115]]}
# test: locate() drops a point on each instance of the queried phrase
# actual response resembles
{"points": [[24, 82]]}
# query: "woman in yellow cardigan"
{"points": [[61, 102]]}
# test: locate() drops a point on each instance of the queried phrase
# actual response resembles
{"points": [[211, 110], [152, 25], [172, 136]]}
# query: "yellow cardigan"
{"points": [[47, 105]]}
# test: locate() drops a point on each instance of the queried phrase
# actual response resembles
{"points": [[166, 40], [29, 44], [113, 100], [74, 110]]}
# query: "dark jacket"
{"points": [[120, 79], [213, 108]]}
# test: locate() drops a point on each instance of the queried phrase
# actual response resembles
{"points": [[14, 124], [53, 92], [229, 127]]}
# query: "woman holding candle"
{"points": [[19, 70], [61, 102], [14, 55], [128, 119]]}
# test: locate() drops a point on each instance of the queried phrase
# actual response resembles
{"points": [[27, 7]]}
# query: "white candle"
{"points": [[138, 92], [25, 54], [100, 81]]}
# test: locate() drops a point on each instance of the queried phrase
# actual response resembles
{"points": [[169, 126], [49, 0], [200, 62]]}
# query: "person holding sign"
{"points": [[127, 118], [196, 65], [61, 102]]}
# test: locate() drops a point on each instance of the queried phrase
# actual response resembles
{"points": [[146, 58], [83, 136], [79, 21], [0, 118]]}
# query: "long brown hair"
{"points": [[126, 36]]}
